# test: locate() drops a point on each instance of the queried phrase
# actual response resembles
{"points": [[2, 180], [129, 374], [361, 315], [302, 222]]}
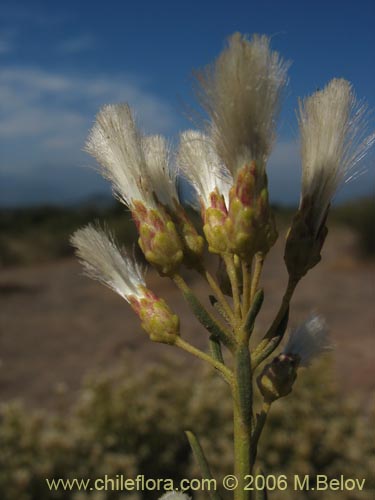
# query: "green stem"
{"points": [[242, 415], [242, 443], [292, 283], [186, 346], [259, 260], [232, 274], [246, 275], [277, 329], [219, 295], [203, 316]]}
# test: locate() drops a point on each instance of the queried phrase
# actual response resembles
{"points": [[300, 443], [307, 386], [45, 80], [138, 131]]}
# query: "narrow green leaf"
{"points": [[201, 461], [253, 312], [215, 348], [206, 319]]}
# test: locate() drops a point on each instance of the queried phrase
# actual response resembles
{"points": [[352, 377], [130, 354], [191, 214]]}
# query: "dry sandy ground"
{"points": [[56, 326]]}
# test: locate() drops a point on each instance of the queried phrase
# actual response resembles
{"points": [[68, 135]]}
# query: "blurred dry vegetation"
{"points": [[132, 421], [57, 326], [33, 235]]}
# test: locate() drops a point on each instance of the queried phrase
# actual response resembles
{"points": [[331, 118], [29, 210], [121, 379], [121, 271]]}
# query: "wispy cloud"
{"points": [[44, 120], [54, 111]]}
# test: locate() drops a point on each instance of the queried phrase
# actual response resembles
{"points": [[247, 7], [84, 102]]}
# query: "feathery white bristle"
{"points": [[241, 93], [175, 495], [309, 340], [116, 143], [162, 175], [333, 143], [104, 262], [200, 164]]}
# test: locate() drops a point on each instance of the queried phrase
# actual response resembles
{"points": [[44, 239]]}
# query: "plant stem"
{"points": [[232, 273], [270, 337], [219, 295], [246, 299], [242, 443], [186, 346], [292, 283], [259, 260], [203, 316]]}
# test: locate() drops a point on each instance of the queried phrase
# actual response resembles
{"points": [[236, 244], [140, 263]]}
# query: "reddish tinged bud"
{"points": [[157, 318], [193, 242], [216, 224], [277, 378], [158, 238], [251, 221]]}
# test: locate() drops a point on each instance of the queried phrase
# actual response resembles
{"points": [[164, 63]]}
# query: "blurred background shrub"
{"points": [[132, 421], [34, 235], [360, 217]]}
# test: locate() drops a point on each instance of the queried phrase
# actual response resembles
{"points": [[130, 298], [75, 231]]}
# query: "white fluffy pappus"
{"points": [[241, 93], [175, 495], [138, 166], [309, 340], [105, 262], [334, 140], [116, 143], [163, 177], [201, 166]]}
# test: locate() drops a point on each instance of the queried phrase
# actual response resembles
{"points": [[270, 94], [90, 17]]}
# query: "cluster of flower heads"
{"points": [[226, 165]]}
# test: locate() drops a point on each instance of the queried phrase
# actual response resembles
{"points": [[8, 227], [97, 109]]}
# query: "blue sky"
{"points": [[60, 61]]}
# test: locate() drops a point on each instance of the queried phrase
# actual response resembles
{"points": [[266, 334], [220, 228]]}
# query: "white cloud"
{"points": [[45, 116]]}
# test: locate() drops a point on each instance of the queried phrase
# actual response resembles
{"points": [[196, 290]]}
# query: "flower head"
{"points": [[333, 143], [116, 143], [138, 168], [309, 340], [103, 261], [200, 164], [241, 93]]}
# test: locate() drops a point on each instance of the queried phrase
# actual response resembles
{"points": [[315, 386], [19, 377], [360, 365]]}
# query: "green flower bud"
{"points": [[158, 238], [157, 318], [216, 224]]}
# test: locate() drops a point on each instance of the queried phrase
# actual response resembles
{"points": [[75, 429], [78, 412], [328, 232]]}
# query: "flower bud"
{"points": [[158, 238], [277, 378], [303, 247], [216, 224], [193, 243], [252, 227], [157, 318]]}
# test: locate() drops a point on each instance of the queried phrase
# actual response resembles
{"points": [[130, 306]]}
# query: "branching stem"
{"points": [[219, 295], [186, 346]]}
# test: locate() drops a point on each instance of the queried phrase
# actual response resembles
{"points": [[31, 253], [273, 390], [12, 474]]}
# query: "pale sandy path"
{"points": [[56, 325]]}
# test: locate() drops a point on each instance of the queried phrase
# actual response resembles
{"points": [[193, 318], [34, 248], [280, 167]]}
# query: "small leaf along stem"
{"points": [[219, 295]]}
